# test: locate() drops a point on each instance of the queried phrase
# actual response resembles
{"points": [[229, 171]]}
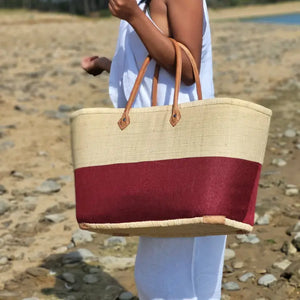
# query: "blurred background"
{"points": [[43, 254]]}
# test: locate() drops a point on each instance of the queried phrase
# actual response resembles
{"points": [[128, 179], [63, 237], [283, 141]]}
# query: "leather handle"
{"points": [[175, 117], [125, 120]]}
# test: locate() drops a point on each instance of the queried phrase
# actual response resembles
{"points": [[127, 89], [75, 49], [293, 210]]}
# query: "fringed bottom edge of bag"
{"points": [[190, 227]]}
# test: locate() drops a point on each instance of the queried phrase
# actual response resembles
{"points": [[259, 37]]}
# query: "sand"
{"points": [[40, 70]]}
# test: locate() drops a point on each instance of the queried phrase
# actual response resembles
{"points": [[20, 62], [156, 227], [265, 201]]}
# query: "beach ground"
{"points": [[42, 83]]}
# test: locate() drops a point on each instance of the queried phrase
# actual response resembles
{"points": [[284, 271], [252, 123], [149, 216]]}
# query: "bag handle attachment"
{"points": [[175, 117]]}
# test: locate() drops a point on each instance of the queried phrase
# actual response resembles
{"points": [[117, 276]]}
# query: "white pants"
{"points": [[180, 268]]}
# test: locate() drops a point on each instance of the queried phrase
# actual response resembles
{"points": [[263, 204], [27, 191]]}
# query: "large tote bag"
{"points": [[169, 171]]}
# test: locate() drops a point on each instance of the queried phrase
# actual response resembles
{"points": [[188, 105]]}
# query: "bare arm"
{"points": [[185, 20]]}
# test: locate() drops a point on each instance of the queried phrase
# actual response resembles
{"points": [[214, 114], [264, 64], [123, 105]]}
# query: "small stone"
{"points": [[246, 276], [90, 278], [117, 263], [282, 265], [267, 280], [296, 241], [297, 227], [248, 238], [290, 133], [94, 270], [2, 189], [31, 298], [6, 145], [55, 218], [279, 162], [3, 260], [48, 187], [231, 286], [17, 174], [229, 254], [264, 220], [82, 236], [115, 241], [68, 277], [288, 248], [78, 256], [42, 153], [4, 207], [65, 108], [233, 245], [298, 146], [126, 296], [238, 264], [291, 192], [293, 270]]}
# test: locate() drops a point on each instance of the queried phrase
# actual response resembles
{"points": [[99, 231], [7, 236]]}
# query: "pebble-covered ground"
{"points": [[43, 255]]}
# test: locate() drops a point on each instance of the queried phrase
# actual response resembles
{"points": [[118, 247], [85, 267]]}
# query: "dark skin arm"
{"points": [[184, 21]]}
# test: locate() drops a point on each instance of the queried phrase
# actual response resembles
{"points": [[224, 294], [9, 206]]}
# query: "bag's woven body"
{"points": [[159, 178], [155, 175]]}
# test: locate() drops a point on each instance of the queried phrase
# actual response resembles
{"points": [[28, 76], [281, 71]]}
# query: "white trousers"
{"points": [[180, 268]]}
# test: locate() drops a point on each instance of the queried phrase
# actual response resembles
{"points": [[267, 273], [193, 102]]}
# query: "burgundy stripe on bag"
{"points": [[171, 189]]}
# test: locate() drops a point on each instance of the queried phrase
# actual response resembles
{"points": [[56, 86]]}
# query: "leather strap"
{"points": [[175, 117], [154, 85]]}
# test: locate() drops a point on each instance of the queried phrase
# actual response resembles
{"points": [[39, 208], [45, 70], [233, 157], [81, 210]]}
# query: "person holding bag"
{"points": [[166, 268]]}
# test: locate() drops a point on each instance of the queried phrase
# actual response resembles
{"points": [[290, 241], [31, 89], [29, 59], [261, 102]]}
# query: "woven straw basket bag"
{"points": [[169, 171]]}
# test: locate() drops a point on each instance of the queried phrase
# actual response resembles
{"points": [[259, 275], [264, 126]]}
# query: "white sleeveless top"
{"points": [[129, 57]]}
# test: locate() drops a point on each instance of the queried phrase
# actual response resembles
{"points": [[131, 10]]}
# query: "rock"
{"points": [[37, 271], [238, 264], [293, 270], [65, 108], [288, 248], [3, 260], [282, 264], [31, 298], [290, 133], [55, 218], [115, 241], [229, 254], [90, 278], [30, 203], [4, 207], [2, 189], [48, 187], [296, 241], [78, 256], [126, 296], [298, 146], [42, 153], [231, 286], [246, 276], [68, 277], [94, 270], [267, 280], [6, 145], [297, 227], [279, 162], [291, 192], [17, 174], [82, 236], [264, 220], [248, 238], [116, 263]]}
